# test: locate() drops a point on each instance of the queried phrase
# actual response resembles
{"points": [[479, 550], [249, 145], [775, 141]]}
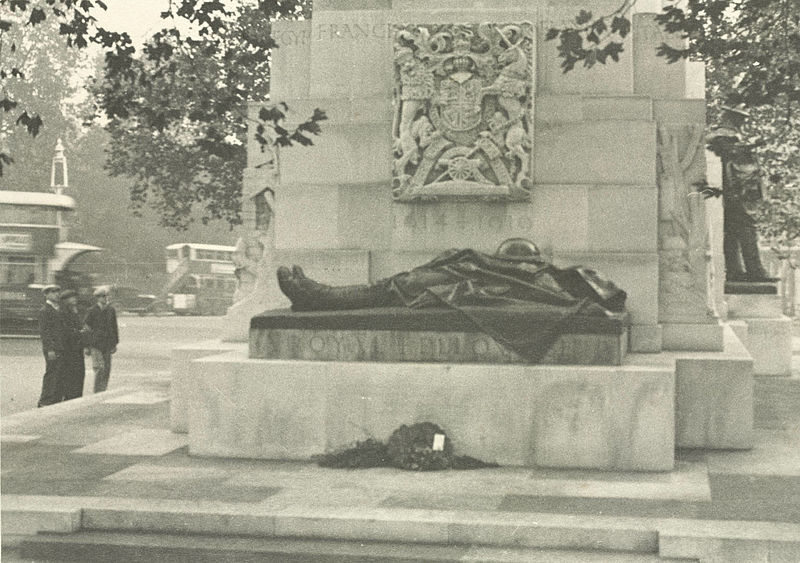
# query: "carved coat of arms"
{"points": [[463, 98]]}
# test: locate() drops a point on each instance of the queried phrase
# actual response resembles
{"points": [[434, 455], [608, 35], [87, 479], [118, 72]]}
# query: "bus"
{"points": [[202, 278], [31, 257]]}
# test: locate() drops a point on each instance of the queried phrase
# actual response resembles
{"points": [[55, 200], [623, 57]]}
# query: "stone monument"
{"points": [[451, 125]]}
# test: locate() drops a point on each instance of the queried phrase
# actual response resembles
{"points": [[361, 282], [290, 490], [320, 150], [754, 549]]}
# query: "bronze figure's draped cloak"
{"points": [[522, 304]]}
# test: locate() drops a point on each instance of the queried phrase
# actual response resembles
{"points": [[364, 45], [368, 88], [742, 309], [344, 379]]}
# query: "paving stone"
{"points": [[45, 462], [142, 442], [18, 438], [444, 502], [140, 398], [754, 497], [341, 497], [774, 453], [160, 473], [209, 490], [601, 507]]}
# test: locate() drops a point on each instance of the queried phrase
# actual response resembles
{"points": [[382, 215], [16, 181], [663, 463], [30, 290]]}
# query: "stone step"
{"points": [[492, 529], [495, 532], [169, 548]]}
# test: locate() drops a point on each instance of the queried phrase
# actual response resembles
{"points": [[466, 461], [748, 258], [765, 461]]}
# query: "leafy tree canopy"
{"points": [[38, 74], [177, 111]]}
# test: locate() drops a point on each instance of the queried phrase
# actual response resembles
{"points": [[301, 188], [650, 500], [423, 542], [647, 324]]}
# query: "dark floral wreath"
{"points": [[414, 448]]}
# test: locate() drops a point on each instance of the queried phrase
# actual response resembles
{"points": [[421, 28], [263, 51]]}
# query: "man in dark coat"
{"points": [[54, 336], [74, 368], [101, 320], [514, 295]]}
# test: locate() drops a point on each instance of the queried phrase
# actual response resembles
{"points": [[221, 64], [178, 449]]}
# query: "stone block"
{"points": [[575, 108], [722, 541], [353, 528], [700, 337], [182, 377], [589, 152], [680, 111], [32, 515], [554, 532], [646, 339], [739, 328], [556, 216], [556, 416], [714, 398], [397, 334], [617, 108], [616, 78], [754, 306], [291, 70], [242, 409], [344, 154], [653, 76], [769, 341], [366, 215], [342, 111], [351, 54], [623, 219], [304, 220], [695, 80]]}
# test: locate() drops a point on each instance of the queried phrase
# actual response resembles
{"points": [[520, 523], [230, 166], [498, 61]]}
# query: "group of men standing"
{"points": [[66, 338]]}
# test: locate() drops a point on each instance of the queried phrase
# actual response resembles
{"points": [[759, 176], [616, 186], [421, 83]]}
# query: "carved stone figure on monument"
{"points": [[514, 295], [685, 258], [253, 256], [462, 111], [742, 189]]}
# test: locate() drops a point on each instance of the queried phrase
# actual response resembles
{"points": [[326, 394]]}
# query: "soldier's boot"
{"points": [[309, 295]]}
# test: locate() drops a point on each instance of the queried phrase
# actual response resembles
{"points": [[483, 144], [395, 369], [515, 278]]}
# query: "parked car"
{"points": [[132, 300]]}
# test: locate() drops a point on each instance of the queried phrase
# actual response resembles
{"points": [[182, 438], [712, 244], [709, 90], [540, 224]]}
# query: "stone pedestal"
{"points": [[757, 317], [601, 417], [398, 334]]}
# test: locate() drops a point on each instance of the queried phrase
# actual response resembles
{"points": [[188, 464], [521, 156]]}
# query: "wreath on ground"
{"points": [[419, 447]]}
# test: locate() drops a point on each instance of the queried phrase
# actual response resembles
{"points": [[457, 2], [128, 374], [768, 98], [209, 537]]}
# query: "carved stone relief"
{"points": [[684, 250], [463, 111], [253, 256]]}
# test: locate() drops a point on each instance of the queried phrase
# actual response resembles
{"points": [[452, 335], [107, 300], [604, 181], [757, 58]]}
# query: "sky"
{"points": [[140, 18]]}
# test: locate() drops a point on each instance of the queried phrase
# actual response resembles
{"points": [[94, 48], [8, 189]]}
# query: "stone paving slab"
{"points": [[140, 442]]}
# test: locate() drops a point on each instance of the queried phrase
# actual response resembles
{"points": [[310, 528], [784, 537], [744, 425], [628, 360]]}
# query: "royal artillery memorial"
{"points": [[451, 125]]}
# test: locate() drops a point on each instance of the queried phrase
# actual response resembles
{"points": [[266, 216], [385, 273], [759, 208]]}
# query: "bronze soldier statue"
{"points": [[742, 189], [514, 275]]}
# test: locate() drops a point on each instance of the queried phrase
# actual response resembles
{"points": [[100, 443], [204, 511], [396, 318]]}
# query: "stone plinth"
{"points": [[754, 306], [395, 334], [767, 333], [599, 417], [183, 377], [713, 394]]}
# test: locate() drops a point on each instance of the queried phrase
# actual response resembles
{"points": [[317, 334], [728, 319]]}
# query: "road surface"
{"points": [[142, 358]]}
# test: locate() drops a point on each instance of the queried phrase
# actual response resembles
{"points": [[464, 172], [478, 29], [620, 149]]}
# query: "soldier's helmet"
{"points": [[518, 249]]}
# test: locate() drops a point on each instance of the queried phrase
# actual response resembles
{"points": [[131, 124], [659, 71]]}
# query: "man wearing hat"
{"points": [[101, 320], [53, 335], [742, 189], [74, 368]]}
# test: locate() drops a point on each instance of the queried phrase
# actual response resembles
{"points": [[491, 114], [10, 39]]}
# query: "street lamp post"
{"points": [[58, 181]]}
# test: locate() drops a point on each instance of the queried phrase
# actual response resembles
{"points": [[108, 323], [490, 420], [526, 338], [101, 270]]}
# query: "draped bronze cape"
{"points": [[523, 305]]}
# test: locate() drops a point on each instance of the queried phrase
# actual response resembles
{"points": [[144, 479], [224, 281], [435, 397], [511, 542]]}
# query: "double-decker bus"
{"points": [[202, 279], [31, 256]]}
